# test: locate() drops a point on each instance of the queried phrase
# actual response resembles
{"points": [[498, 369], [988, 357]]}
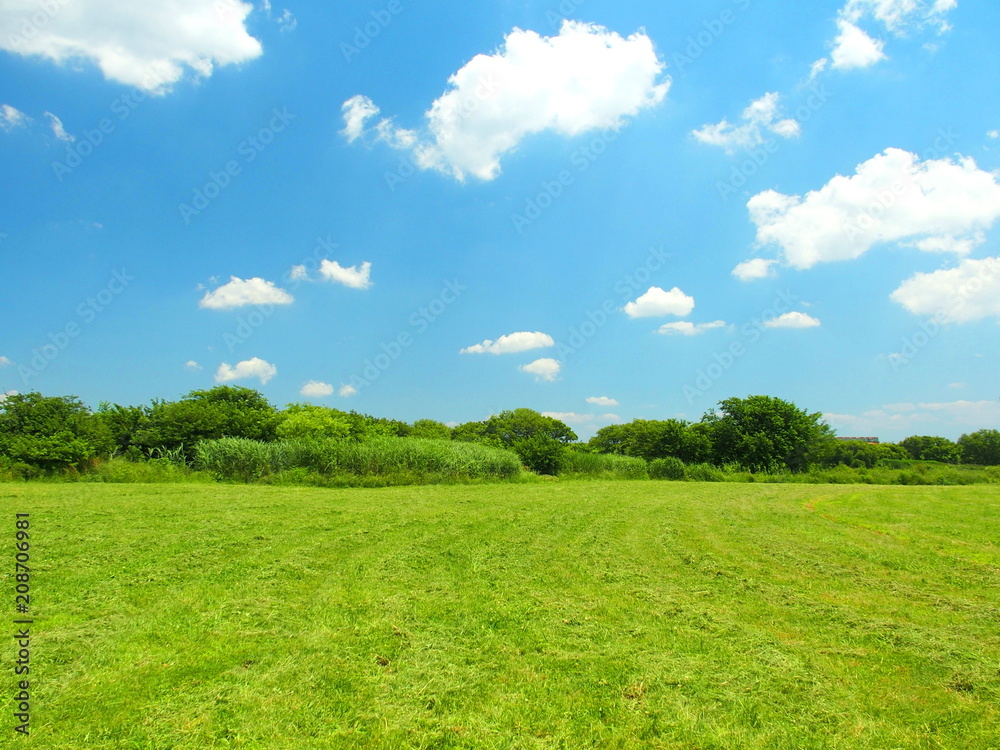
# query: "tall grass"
{"points": [[414, 459], [603, 466]]}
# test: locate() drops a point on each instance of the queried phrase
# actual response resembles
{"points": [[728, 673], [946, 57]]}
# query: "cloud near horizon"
{"points": [[250, 368], [316, 389]]}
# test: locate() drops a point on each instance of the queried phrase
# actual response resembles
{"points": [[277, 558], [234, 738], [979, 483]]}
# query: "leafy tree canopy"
{"points": [[981, 448], [50, 432], [763, 433]]}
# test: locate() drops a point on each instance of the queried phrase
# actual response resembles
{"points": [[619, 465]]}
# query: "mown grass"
{"points": [[563, 615]]}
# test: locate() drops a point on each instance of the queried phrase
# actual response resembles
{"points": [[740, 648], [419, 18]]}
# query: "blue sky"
{"points": [[603, 211]]}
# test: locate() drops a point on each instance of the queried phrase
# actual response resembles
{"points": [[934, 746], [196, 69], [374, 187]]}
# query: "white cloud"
{"points": [[853, 48], [287, 21], [512, 343], [582, 420], [5, 362], [583, 79], [657, 302], [602, 401], [347, 391], [932, 418], [148, 45], [316, 389], [57, 128], [993, 134], [251, 368], [357, 111], [298, 273], [11, 117], [352, 276], [239, 293], [759, 118], [900, 16], [793, 320], [756, 268], [192, 366], [892, 197], [958, 386], [545, 369], [686, 328], [4, 396], [966, 293]]}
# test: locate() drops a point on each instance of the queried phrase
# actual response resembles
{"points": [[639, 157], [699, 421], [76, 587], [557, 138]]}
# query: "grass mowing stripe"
{"points": [[514, 616]]}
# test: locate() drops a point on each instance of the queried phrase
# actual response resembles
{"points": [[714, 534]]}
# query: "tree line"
{"points": [[756, 434]]}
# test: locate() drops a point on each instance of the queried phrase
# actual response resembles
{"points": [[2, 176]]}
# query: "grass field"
{"points": [[557, 615]]}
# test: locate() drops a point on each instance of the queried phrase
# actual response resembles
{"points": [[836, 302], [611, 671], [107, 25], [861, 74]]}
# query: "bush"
{"points": [[17, 471], [540, 453], [666, 468]]}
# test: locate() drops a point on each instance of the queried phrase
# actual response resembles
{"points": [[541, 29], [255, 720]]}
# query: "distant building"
{"points": [[872, 440]]}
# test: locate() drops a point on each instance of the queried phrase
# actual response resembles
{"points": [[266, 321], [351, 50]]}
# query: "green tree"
{"points": [[981, 448], [651, 439], [764, 434], [611, 439], [539, 440], [430, 429], [223, 411], [930, 448], [856, 453], [123, 424], [307, 420], [51, 432]]}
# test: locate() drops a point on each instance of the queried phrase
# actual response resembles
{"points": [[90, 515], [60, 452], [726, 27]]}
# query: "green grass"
{"points": [[554, 615]]}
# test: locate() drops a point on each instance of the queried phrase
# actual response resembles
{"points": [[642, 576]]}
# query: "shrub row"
{"points": [[245, 460]]}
